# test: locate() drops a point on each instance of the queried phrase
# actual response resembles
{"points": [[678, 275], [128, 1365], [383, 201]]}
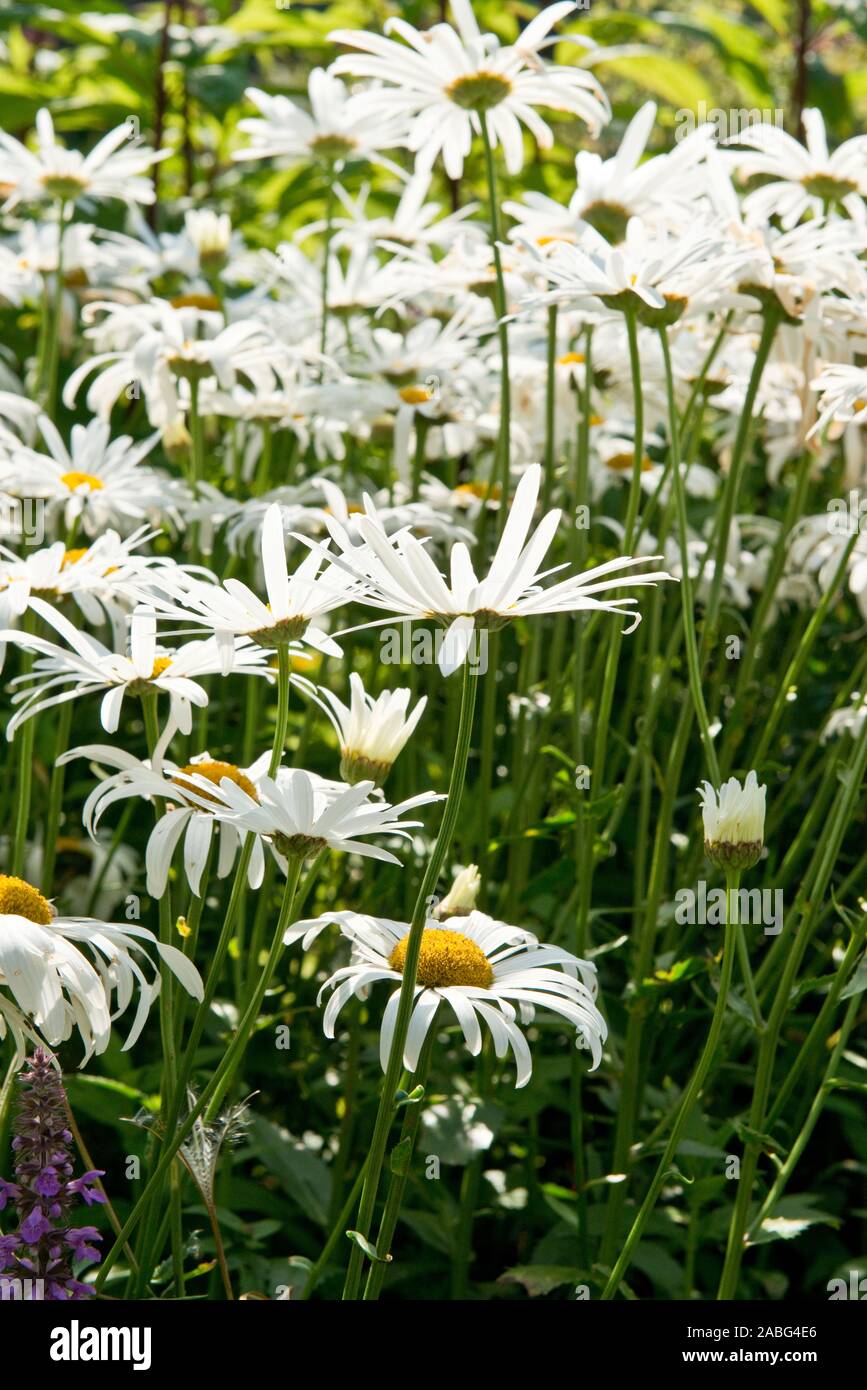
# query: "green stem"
{"points": [[690, 1095], [407, 988]]}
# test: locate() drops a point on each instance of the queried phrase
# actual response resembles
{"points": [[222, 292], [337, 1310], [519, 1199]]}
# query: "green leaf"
{"points": [[791, 1217], [400, 1156], [673, 79], [541, 1279], [370, 1250], [301, 1173]]}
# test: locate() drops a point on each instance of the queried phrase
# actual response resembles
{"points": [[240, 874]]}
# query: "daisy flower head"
{"points": [[116, 167], [801, 180], [372, 730], [403, 579], [232, 610], [654, 274], [486, 971], [86, 666], [299, 814], [734, 821], [165, 347], [66, 973], [337, 127], [192, 793], [98, 480], [842, 391], [460, 900], [104, 580], [442, 83]]}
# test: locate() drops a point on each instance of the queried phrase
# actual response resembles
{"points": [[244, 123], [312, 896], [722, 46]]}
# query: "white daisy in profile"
{"points": [[298, 814], [59, 988], [98, 481], [403, 579], [654, 274], [104, 580], [372, 730], [441, 82], [232, 610], [86, 666], [842, 391], [486, 971], [611, 191], [334, 130], [801, 179], [116, 167], [164, 347], [192, 793]]}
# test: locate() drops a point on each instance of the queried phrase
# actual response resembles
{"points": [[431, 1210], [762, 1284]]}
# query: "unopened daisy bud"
{"points": [[372, 732], [460, 900], [211, 234], [176, 441], [734, 822]]}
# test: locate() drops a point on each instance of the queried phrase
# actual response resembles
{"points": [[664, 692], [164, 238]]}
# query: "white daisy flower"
{"points": [[440, 83], [116, 167], [404, 580], [299, 814], [233, 610], [847, 720], [55, 985], [734, 821], [372, 731], [336, 129], [486, 971], [842, 391], [192, 793], [611, 191], [804, 179], [86, 666], [655, 275], [164, 348], [98, 481], [414, 221], [104, 579]]}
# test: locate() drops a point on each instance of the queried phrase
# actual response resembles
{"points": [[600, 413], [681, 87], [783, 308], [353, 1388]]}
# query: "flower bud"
{"points": [[734, 822]]}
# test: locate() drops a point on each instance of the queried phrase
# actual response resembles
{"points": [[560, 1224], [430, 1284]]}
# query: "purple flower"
{"points": [[82, 1187], [47, 1183], [34, 1226], [7, 1190], [44, 1192]]}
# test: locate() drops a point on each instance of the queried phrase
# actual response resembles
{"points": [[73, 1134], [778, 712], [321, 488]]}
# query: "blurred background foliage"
{"points": [[180, 69]]}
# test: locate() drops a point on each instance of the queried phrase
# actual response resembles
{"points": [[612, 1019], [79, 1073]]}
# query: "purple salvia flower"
{"points": [[45, 1245]]}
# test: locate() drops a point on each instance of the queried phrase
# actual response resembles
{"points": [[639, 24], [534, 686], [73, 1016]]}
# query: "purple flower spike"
{"points": [[45, 1246]]}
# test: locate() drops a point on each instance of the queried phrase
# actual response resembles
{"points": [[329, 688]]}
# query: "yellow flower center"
{"points": [[19, 899], [214, 772], [480, 490], [161, 664], [446, 958], [415, 395], [72, 557], [569, 359], [623, 463], [76, 480]]}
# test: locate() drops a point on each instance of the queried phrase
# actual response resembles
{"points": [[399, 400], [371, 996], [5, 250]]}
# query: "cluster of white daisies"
{"points": [[269, 380]]}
